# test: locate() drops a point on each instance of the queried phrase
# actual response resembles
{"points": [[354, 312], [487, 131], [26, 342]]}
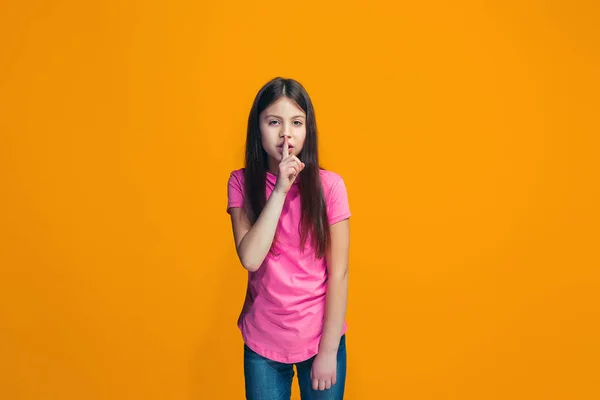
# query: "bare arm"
{"points": [[323, 371], [254, 242], [337, 287]]}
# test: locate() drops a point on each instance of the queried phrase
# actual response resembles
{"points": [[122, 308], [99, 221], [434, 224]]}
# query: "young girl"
{"points": [[291, 230]]}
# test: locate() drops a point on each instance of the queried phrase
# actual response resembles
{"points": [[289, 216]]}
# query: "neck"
{"points": [[273, 166]]}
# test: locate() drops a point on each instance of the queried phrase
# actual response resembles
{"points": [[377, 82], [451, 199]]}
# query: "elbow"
{"points": [[250, 262], [249, 265]]}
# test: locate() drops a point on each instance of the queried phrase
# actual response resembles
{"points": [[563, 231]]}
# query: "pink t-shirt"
{"points": [[283, 314]]}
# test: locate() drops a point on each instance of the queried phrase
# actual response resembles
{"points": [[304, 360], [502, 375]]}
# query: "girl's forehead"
{"points": [[284, 107]]}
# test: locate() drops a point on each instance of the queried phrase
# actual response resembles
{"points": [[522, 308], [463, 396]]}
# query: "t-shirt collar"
{"points": [[273, 178]]}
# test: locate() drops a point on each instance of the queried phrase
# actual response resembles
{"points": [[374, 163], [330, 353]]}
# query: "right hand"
{"points": [[289, 168]]}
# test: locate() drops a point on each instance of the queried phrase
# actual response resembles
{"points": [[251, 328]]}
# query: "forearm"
{"points": [[335, 312], [256, 243]]}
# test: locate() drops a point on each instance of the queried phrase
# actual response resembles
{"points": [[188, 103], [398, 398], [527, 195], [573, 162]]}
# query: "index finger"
{"points": [[286, 147]]}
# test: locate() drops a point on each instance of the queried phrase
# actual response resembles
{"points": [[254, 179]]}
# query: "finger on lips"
{"points": [[286, 147]]}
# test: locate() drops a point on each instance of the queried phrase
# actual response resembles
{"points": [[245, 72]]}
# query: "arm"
{"points": [[337, 287], [254, 242], [324, 369]]}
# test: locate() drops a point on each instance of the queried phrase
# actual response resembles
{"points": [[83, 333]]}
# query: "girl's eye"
{"points": [[271, 122], [298, 123]]}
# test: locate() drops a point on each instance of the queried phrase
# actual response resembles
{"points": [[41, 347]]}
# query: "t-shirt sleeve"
{"points": [[338, 208], [235, 192]]}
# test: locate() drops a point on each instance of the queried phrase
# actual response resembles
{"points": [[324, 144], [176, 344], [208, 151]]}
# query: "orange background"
{"points": [[467, 134]]}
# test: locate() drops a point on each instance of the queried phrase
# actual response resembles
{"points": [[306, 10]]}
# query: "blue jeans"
{"points": [[271, 380]]}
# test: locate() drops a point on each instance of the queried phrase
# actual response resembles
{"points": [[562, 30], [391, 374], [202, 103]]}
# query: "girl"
{"points": [[291, 230]]}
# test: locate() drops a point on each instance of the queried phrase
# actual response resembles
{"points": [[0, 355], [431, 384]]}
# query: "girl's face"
{"points": [[283, 117]]}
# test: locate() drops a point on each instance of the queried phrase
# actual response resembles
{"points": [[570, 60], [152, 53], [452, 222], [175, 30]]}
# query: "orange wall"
{"points": [[467, 133]]}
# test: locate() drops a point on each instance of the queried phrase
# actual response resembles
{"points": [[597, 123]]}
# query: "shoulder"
{"points": [[329, 177], [330, 180], [237, 176], [336, 196]]}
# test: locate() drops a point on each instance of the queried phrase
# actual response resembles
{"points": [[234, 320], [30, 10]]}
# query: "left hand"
{"points": [[324, 371]]}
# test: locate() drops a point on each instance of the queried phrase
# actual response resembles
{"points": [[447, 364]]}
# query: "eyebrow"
{"points": [[277, 116]]}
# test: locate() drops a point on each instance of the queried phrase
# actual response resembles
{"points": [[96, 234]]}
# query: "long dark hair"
{"points": [[314, 212]]}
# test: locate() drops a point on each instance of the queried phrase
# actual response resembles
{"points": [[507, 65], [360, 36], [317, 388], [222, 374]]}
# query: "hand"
{"points": [[324, 371], [289, 168]]}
